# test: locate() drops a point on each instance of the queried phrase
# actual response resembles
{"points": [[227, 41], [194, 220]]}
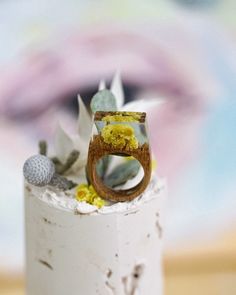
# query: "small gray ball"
{"points": [[38, 170]]}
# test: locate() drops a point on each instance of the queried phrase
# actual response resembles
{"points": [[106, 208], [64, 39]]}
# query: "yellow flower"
{"points": [[87, 193], [92, 190], [98, 202], [118, 118], [82, 186], [123, 117], [119, 136], [129, 158], [136, 115]]}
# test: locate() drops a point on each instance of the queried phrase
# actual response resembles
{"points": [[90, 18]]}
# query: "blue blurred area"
{"points": [[205, 206]]}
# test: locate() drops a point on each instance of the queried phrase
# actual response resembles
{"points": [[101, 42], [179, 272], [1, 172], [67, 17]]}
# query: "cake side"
{"points": [[118, 253]]}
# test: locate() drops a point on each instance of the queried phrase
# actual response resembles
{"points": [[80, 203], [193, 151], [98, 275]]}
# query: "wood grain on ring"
{"points": [[97, 149]]}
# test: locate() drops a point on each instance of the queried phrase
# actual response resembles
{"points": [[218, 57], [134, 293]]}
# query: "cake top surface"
{"points": [[65, 201]]}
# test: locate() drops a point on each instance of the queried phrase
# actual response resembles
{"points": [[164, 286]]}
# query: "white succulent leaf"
{"points": [[117, 90], [142, 105], [114, 162], [63, 143], [82, 146], [102, 85], [84, 121]]}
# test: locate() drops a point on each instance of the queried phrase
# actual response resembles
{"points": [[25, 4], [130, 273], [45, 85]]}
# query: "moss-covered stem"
{"points": [[43, 147]]}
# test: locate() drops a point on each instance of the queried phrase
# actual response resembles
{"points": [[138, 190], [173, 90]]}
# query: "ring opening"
{"points": [[119, 172]]}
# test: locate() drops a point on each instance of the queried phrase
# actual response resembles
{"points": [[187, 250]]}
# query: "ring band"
{"points": [[99, 148]]}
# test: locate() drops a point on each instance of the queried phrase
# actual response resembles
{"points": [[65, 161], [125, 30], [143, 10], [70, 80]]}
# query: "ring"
{"points": [[119, 134]]}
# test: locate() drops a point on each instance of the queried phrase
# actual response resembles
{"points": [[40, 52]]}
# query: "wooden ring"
{"points": [[97, 149]]}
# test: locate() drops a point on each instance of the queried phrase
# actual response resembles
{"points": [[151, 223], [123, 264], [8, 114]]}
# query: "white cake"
{"points": [[76, 243], [75, 248]]}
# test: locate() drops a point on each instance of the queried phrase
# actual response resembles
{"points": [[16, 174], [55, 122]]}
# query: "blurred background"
{"points": [[183, 51]]}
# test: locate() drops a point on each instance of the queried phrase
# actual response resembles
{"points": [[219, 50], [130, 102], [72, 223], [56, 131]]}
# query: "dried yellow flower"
{"points": [[87, 193], [135, 115], [119, 136], [122, 117]]}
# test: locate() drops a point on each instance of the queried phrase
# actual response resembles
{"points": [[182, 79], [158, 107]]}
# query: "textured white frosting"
{"points": [[77, 248], [66, 200]]}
